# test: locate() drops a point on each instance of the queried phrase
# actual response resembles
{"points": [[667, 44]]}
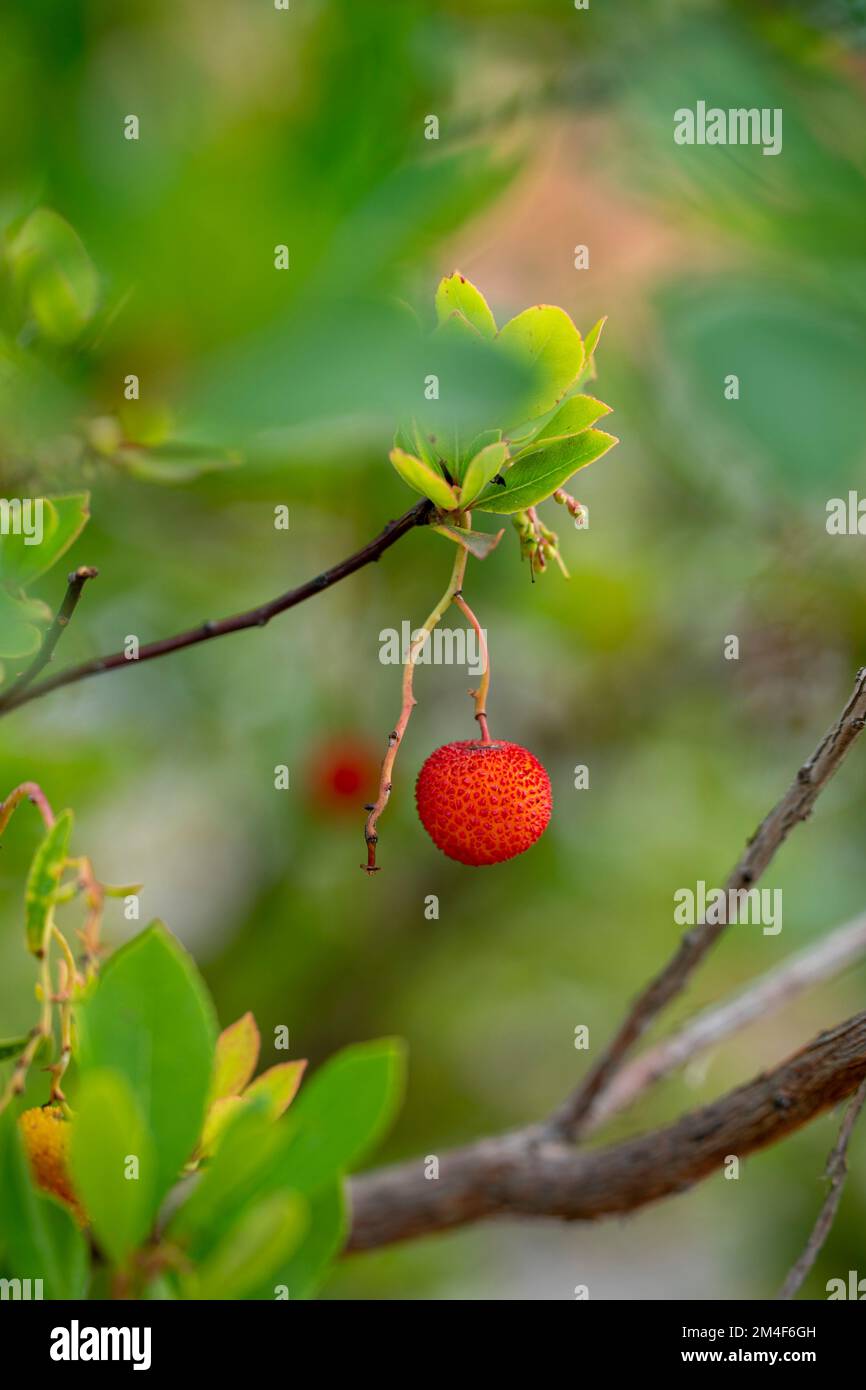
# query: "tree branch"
{"points": [[74, 585], [537, 1171], [418, 515], [527, 1173], [836, 1171], [802, 971], [795, 806]]}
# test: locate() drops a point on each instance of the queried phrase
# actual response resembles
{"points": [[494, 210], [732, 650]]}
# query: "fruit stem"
{"points": [[480, 695], [42, 1029], [67, 977], [395, 738]]}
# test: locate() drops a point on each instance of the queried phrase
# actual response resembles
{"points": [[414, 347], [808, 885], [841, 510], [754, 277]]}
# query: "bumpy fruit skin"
{"points": [[46, 1139], [481, 803]]}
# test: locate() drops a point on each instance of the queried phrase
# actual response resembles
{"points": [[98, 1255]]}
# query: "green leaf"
{"points": [[107, 1132], [151, 1019], [541, 471], [575, 415], [43, 880], [481, 469], [254, 1249], [278, 1086], [51, 268], [10, 1047], [247, 1164], [411, 439], [19, 635], [481, 441], [344, 1111], [456, 328], [336, 1119], [423, 479], [592, 338], [217, 1120], [545, 337], [446, 434], [38, 1236], [455, 292], [305, 1271], [237, 1051], [62, 521], [478, 543]]}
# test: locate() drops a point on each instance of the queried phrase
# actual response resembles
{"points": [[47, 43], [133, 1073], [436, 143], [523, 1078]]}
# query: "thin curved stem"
{"points": [[27, 791], [395, 738], [479, 695]]}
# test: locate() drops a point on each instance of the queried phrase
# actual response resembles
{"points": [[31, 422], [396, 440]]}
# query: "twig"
{"points": [[395, 738], [795, 806], [529, 1173], [418, 515], [836, 1171], [27, 791], [74, 585], [94, 892], [800, 972]]}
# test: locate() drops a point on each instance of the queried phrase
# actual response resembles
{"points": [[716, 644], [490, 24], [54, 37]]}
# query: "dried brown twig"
{"points": [[836, 1171]]}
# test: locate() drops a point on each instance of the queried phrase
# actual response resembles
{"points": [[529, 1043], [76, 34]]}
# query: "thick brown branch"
{"points": [[252, 617], [836, 1171], [527, 1173], [795, 806]]}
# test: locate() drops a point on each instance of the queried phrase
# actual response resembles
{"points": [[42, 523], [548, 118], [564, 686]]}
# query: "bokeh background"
{"points": [[307, 127]]}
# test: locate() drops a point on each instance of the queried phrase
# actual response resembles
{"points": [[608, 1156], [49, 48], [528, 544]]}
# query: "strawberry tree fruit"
{"points": [[486, 801], [482, 803]]}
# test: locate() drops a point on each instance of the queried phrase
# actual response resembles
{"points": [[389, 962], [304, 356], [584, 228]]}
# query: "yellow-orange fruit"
{"points": [[45, 1132]]}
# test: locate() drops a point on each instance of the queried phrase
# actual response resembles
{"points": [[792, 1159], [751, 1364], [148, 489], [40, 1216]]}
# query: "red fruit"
{"points": [[481, 803], [341, 773]]}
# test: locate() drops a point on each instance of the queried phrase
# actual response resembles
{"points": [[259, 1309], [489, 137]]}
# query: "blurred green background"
{"points": [[306, 128]]}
